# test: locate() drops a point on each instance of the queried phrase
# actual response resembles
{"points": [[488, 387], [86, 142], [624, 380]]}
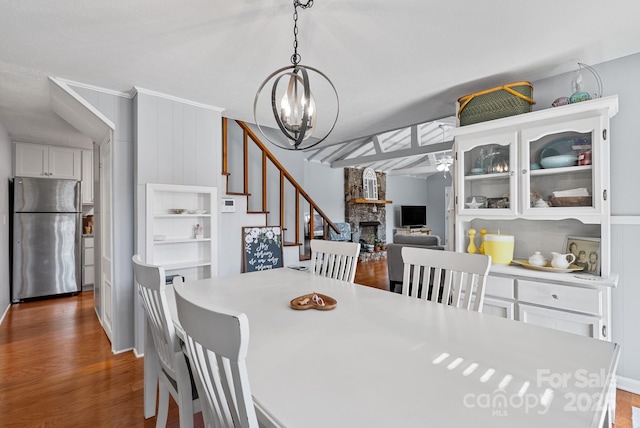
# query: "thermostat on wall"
{"points": [[228, 206]]}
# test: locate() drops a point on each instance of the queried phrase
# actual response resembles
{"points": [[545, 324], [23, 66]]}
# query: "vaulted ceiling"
{"points": [[398, 67]]}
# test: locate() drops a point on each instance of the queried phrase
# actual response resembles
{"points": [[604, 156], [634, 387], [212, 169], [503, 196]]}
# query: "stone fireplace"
{"points": [[368, 218]]}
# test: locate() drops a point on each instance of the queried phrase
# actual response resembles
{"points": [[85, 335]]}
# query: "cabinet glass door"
{"points": [[559, 166], [485, 172]]}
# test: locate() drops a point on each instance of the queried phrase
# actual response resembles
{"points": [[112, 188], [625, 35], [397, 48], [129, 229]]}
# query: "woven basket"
{"points": [[501, 101]]}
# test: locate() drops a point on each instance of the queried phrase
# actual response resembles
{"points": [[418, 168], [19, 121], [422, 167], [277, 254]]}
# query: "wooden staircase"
{"points": [[262, 176]]}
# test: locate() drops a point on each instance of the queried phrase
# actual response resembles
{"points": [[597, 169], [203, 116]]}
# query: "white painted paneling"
{"points": [[124, 118], [165, 143], [176, 143], [107, 105], [146, 148], [177, 149], [208, 138], [5, 173]]}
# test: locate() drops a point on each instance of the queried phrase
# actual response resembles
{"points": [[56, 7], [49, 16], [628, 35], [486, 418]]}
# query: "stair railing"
{"points": [[248, 134]]}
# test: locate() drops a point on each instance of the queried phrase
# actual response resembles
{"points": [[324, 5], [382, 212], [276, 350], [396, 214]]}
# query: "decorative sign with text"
{"points": [[262, 248]]}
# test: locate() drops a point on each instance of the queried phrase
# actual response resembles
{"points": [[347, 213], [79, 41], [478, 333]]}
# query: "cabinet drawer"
{"points": [[87, 257], [500, 287], [561, 296], [88, 242], [88, 275]]}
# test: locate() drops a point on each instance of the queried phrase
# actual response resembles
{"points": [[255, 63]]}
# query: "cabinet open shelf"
{"points": [[586, 169], [180, 251], [180, 240], [181, 215], [184, 265]]}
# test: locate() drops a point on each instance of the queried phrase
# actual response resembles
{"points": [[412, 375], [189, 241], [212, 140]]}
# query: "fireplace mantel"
{"points": [[368, 201]]}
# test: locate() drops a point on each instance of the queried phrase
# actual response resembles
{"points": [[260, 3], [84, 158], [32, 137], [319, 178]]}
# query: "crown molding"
{"points": [[139, 90], [127, 95]]}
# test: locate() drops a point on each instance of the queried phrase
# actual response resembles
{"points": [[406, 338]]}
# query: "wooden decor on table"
{"points": [[322, 302]]}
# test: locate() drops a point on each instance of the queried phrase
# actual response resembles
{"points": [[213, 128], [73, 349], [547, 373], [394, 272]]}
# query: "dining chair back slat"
{"points": [[447, 277], [217, 340], [334, 259], [152, 289]]}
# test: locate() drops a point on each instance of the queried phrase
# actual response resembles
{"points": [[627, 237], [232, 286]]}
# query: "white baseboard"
{"points": [[628, 384], [5, 313], [138, 354]]}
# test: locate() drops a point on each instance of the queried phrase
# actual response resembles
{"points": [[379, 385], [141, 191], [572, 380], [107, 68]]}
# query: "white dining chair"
{"points": [[334, 259], [447, 277], [217, 341], [173, 375]]}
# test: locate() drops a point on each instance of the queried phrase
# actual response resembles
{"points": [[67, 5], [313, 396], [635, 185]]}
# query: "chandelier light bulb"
{"points": [[297, 114]]}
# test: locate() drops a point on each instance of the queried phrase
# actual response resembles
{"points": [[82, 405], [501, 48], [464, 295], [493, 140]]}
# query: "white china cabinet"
{"points": [[542, 177], [181, 227]]}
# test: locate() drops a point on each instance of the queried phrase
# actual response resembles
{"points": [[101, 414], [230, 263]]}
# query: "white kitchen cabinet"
{"points": [[584, 325], [87, 177], [182, 243], [499, 182], [88, 262], [38, 160], [500, 297], [498, 307]]}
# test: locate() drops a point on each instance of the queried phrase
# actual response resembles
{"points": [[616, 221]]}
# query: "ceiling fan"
{"points": [[444, 163]]}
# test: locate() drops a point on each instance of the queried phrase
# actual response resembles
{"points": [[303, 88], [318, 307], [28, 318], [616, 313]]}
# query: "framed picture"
{"points": [[587, 252]]}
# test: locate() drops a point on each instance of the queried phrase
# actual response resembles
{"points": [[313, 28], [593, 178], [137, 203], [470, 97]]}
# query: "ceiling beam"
{"points": [[377, 145], [345, 150], [414, 151]]}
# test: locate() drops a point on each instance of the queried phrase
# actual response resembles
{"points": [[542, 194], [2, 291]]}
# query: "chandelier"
{"points": [[293, 105]]}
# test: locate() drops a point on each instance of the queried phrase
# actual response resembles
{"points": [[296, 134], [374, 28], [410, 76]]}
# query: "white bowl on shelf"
{"points": [[559, 161], [197, 211]]}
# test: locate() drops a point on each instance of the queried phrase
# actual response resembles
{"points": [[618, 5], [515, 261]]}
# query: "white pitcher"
{"points": [[561, 261]]}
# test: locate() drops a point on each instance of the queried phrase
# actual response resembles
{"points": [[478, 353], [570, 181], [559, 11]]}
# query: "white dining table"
{"points": [[381, 359]]}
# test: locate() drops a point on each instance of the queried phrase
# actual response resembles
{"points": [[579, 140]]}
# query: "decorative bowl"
{"points": [[177, 210], [559, 161]]}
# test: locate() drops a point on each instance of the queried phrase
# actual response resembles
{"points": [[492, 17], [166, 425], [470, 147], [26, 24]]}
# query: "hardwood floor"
{"points": [[57, 369]]}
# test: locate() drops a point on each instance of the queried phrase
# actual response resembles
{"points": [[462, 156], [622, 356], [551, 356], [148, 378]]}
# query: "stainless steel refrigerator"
{"points": [[47, 226]]}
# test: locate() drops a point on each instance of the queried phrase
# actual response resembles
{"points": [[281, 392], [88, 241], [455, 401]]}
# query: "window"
{"points": [[370, 184]]}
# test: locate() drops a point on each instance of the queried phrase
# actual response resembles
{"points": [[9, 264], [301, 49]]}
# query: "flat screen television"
{"points": [[413, 215]]}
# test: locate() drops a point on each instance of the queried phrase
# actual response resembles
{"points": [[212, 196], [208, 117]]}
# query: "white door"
{"points": [[106, 238]]}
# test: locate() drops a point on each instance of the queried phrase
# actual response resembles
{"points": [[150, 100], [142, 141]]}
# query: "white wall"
{"points": [[5, 174], [119, 109], [619, 77], [404, 191], [325, 186]]}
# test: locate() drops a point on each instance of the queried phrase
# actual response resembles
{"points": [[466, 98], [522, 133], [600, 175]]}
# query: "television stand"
{"points": [[413, 230]]}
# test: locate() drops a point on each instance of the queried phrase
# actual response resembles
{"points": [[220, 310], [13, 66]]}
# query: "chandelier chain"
{"points": [[295, 58]]}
